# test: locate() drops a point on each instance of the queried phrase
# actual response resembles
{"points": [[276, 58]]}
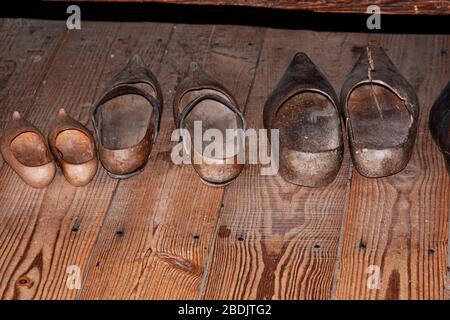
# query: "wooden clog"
{"points": [[73, 147], [304, 108], [382, 112], [202, 99], [439, 123], [25, 149], [126, 119]]}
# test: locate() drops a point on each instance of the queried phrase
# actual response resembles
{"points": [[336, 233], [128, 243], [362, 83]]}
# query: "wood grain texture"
{"points": [[156, 237], [163, 234], [49, 230], [387, 6], [400, 223], [277, 240]]}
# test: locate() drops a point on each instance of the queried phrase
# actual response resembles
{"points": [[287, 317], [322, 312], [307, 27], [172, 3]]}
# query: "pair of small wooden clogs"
{"points": [[71, 144], [126, 120], [380, 112]]}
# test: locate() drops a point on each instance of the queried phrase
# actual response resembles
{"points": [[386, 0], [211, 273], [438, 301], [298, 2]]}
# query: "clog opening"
{"points": [[309, 122], [74, 146], [125, 119], [216, 123], [30, 149], [378, 117]]}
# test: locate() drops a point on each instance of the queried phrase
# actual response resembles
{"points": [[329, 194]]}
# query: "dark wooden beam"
{"points": [[424, 7]]}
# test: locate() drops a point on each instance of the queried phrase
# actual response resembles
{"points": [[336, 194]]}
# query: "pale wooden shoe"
{"points": [[25, 149], [73, 147]]}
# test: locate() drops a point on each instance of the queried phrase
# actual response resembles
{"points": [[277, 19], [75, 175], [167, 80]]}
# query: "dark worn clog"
{"points": [[304, 108], [439, 123], [126, 119], [381, 112], [202, 100]]}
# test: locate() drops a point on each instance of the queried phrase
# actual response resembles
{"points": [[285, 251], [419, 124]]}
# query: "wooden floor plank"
{"points": [[400, 223], [51, 231], [27, 47], [157, 234], [277, 240]]}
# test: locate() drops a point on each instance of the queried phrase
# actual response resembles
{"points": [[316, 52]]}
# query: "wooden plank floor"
{"points": [[163, 234]]}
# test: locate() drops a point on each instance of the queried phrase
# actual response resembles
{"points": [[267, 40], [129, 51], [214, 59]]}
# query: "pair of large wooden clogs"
{"points": [[380, 111], [378, 106]]}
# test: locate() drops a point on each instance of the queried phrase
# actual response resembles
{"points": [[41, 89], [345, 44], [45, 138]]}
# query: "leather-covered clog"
{"points": [[126, 119], [304, 108], [381, 112], [201, 100]]}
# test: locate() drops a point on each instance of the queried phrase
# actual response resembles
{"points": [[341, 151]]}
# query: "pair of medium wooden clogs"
{"points": [[126, 120], [71, 144]]}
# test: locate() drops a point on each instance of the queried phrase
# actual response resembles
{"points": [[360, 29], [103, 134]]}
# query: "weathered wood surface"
{"points": [[399, 224], [163, 234], [432, 7]]}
